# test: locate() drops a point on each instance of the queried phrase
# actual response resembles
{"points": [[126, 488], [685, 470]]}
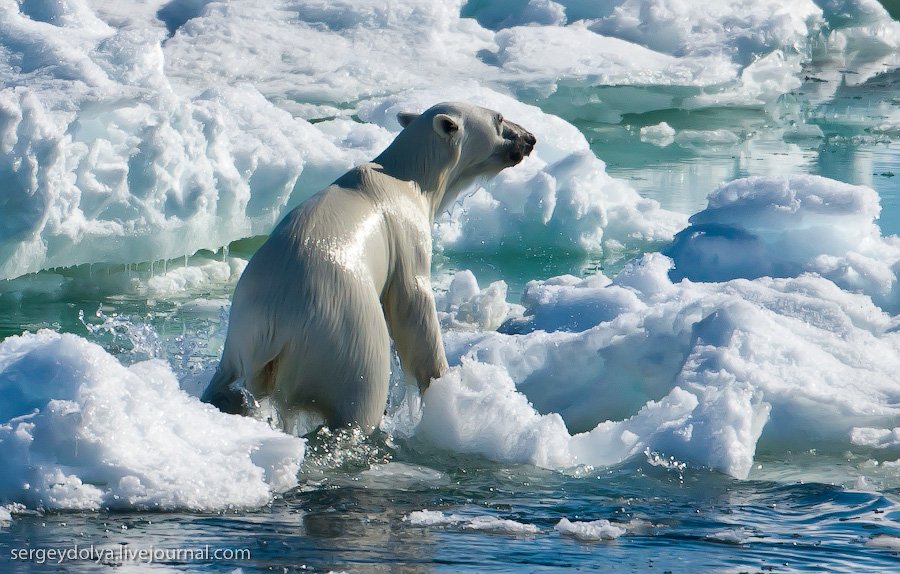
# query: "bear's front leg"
{"points": [[413, 324]]}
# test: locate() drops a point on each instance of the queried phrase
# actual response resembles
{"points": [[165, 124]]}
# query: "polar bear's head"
{"points": [[451, 144]]}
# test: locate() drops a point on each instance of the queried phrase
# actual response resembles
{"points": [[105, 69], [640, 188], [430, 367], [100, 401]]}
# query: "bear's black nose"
{"points": [[529, 140], [520, 142]]}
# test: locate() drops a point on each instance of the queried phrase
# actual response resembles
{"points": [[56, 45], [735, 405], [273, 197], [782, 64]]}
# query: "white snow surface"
{"points": [[80, 430], [781, 227], [700, 371], [140, 131], [597, 370]]}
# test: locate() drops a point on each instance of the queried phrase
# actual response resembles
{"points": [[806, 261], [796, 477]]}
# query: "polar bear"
{"points": [[348, 268]]}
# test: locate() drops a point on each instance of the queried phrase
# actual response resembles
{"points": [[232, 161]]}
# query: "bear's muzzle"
{"points": [[521, 141]]}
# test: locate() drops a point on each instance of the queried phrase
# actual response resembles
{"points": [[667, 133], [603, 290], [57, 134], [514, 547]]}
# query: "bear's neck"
{"points": [[431, 170]]}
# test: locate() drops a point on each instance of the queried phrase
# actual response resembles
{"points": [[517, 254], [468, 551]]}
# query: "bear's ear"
{"points": [[406, 118], [445, 126]]}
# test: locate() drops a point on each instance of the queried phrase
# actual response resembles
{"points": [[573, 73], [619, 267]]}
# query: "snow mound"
{"points": [[696, 370], [80, 430], [782, 227]]}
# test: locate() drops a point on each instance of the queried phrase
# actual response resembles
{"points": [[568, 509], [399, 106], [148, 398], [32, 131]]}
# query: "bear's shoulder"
{"points": [[371, 179]]}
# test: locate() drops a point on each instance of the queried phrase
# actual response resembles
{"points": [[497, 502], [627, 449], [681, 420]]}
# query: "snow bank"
{"points": [[193, 277], [734, 53], [80, 430], [781, 227], [598, 370], [700, 371], [526, 48], [137, 132], [540, 58], [122, 167], [475, 408], [737, 29], [103, 159], [572, 205], [172, 279]]}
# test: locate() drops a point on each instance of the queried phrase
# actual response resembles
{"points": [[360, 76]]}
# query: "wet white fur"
{"points": [[347, 269]]}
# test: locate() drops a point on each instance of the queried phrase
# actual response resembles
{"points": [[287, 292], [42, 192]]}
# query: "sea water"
{"points": [[673, 331]]}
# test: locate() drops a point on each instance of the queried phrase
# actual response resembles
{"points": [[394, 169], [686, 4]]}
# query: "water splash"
{"points": [[404, 405], [669, 463], [343, 451], [129, 337]]}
